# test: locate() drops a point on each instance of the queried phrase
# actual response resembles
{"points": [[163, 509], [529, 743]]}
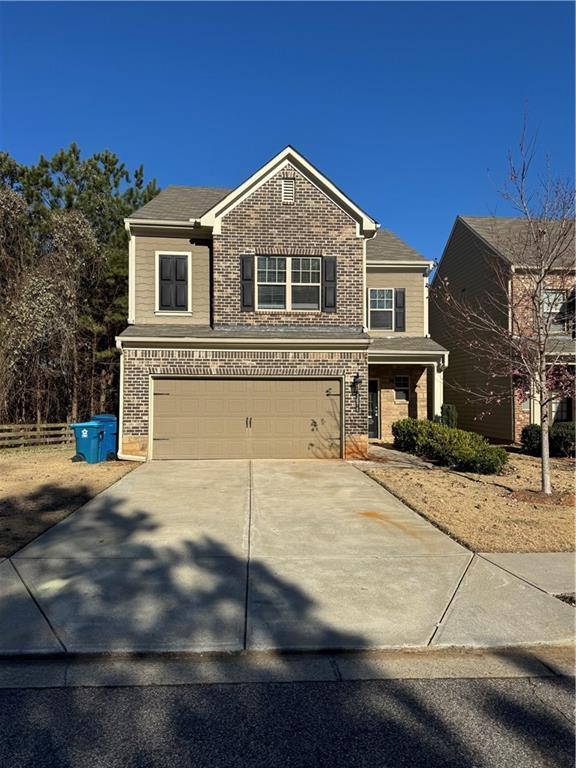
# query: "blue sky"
{"points": [[409, 107]]}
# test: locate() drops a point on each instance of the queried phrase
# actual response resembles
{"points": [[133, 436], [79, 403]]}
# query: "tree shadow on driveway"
{"points": [[130, 595]]}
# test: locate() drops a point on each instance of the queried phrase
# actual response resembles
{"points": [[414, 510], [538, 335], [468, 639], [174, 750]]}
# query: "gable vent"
{"points": [[287, 190]]}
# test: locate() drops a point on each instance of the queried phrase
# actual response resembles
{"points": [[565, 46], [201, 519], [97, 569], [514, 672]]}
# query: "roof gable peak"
{"points": [[212, 217]]}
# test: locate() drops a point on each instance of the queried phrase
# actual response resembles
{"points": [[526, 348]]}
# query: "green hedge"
{"points": [[562, 440], [450, 447]]}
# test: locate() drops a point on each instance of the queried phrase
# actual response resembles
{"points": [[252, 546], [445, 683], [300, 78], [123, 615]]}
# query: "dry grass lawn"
{"points": [[41, 486], [479, 510]]}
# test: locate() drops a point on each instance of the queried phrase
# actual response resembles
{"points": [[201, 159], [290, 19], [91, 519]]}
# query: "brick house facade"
{"points": [[189, 248]]}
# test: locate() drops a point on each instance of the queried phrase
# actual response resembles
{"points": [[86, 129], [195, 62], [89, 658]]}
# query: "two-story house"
{"points": [[485, 261], [272, 320]]}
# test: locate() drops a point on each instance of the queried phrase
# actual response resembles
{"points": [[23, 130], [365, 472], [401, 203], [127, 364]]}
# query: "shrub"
{"points": [[530, 438], [450, 447], [410, 434], [449, 415], [562, 440]]}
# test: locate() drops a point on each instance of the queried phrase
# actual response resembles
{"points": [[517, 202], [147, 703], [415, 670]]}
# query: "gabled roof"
{"points": [[177, 203], [291, 156], [511, 239], [386, 246]]}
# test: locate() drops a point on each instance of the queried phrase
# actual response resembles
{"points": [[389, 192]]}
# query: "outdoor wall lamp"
{"points": [[355, 385]]}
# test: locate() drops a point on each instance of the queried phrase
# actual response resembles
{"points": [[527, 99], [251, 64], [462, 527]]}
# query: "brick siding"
{"points": [[311, 226], [141, 364]]}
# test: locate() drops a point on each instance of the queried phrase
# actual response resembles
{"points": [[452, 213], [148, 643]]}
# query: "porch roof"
{"points": [[405, 344], [415, 350]]}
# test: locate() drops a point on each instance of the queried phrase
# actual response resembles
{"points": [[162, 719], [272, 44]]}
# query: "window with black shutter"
{"points": [[173, 283], [387, 309]]}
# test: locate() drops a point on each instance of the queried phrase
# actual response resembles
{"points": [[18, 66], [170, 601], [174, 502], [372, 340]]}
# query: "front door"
{"points": [[373, 408]]}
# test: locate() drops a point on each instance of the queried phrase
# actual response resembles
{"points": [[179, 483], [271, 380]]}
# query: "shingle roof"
{"points": [[511, 238], [386, 246], [181, 203], [241, 332], [405, 344], [561, 346]]}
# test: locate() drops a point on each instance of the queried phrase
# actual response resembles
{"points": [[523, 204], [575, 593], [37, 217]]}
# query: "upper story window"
{"points": [[173, 284], [386, 309], [382, 308], [288, 282], [305, 282], [555, 309], [272, 282]]}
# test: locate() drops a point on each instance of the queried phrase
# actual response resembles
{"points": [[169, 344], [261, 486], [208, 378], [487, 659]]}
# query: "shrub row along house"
{"points": [[274, 320]]}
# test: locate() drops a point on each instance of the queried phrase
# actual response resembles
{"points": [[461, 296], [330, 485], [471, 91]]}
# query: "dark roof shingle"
{"points": [[181, 203], [178, 331], [511, 238], [386, 246], [405, 344]]}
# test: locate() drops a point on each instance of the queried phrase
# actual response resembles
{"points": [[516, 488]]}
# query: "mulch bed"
{"points": [[556, 498]]}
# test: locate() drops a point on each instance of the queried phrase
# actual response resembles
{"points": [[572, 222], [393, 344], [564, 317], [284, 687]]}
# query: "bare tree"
{"points": [[521, 333], [45, 291]]}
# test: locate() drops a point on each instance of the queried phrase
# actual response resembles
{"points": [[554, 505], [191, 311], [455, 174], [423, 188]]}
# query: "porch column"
{"points": [[438, 389]]}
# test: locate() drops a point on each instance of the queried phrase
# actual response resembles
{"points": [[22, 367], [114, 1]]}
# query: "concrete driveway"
{"points": [[235, 555]]}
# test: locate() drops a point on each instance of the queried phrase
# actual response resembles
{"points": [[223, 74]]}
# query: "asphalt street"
{"points": [[491, 723]]}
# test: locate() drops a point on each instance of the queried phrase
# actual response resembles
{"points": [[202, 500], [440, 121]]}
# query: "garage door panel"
{"points": [[246, 418]]}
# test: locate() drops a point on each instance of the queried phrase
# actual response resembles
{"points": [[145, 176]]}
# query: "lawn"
{"points": [[41, 486], [481, 511]]}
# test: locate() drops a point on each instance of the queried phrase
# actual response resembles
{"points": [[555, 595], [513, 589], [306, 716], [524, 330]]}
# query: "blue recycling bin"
{"points": [[109, 426], [89, 436], [96, 439]]}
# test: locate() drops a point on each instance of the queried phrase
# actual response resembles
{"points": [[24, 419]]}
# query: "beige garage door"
{"points": [[246, 418]]}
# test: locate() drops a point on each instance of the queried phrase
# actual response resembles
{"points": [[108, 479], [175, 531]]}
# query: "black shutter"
{"points": [[173, 283], [247, 281], [400, 310], [329, 284]]}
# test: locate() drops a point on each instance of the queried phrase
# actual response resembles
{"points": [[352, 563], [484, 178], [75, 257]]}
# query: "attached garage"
{"points": [[242, 418]]}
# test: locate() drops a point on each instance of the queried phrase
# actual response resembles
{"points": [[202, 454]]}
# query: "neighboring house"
{"points": [[475, 246], [272, 320]]}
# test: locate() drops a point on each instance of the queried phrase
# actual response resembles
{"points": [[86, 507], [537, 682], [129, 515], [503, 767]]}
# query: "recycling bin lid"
{"points": [[104, 417]]}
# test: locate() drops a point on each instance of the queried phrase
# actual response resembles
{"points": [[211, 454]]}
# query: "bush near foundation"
{"points": [[562, 440], [450, 447]]}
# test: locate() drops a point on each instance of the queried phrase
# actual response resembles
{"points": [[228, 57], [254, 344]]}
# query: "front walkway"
{"points": [[237, 555]]}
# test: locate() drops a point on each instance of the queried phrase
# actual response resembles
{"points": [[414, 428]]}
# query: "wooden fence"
{"points": [[18, 435]]}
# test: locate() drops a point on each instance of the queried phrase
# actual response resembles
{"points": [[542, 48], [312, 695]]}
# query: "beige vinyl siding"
{"points": [[145, 286], [466, 265], [413, 281]]}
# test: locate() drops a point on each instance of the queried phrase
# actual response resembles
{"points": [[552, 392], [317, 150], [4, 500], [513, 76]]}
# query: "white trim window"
{"points": [[173, 278], [381, 305], [402, 389], [306, 280], [271, 282], [290, 283], [554, 308]]}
